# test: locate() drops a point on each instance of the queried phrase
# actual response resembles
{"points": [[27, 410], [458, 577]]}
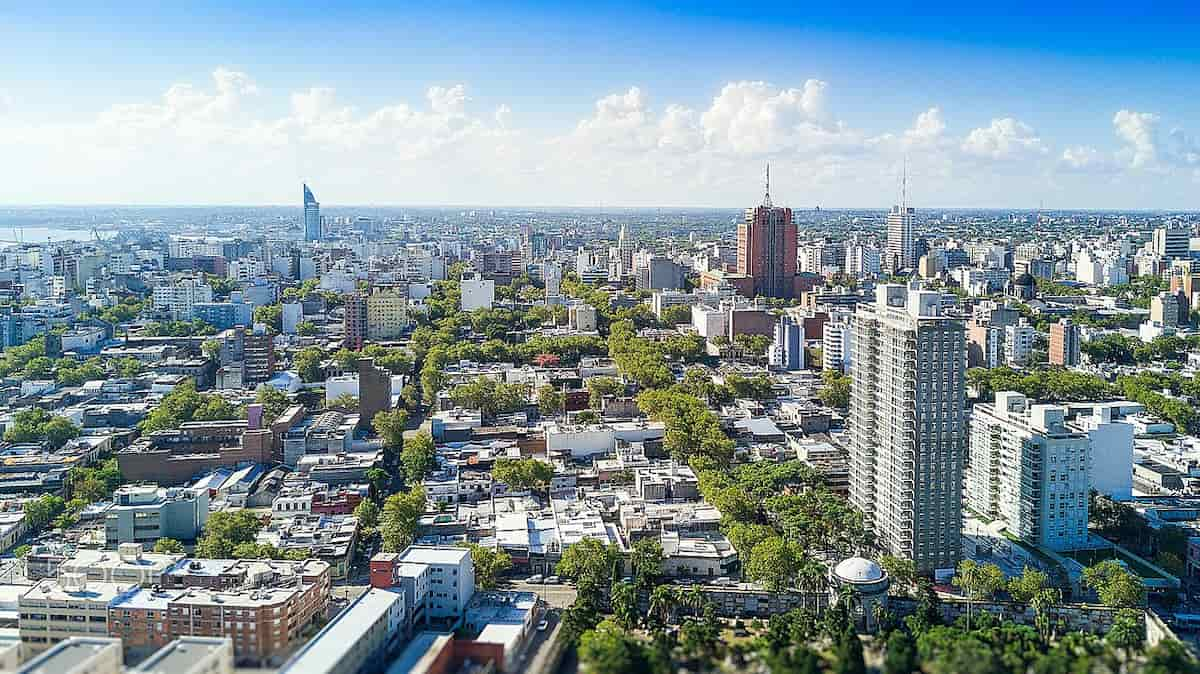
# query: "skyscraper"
{"points": [[767, 247], [312, 216], [901, 242], [907, 425], [625, 252]]}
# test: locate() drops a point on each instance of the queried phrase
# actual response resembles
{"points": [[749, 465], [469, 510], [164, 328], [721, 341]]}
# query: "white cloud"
{"points": [[1005, 138], [223, 138], [1139, 130], [755, 118], [928, 127]]}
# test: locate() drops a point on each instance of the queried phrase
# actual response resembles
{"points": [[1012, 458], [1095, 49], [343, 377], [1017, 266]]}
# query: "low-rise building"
{"points": [[359, 639], [146, 513]]}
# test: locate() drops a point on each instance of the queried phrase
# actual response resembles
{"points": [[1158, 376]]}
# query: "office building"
{"points": [[624, 252], [1064, 343], [1169, 309], [660, 273], [146, 513], [312, 216], [1173, 242], [907, 426], [69, 606], [1028, 469], [767, 248], [902, 241]]}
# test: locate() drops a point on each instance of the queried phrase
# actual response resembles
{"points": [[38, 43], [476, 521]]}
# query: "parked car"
{"points": [[552, 580], [536, 578], [541, 626]]}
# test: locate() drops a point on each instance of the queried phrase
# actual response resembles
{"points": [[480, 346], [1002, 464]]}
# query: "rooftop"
{"points": [[182, 654], [324, 651], [430, 554], [65, 656]]}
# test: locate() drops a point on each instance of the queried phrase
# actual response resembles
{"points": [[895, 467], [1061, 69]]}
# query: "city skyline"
{"points": [[1052, 114]]}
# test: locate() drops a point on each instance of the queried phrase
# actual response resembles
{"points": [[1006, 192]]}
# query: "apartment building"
{"points": [[70, 606], [1029, 469], [907, 425]]}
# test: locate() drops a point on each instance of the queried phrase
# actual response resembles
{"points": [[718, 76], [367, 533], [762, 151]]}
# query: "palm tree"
{"points": [[663, 600], [694, 599], [811, 577]]}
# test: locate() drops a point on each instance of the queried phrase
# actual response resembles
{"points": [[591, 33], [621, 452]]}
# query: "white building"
{"points": [[1111, 442], [1018, 342], [477, 293], [1027, 468], [901, 241], [451, 579], [835, 343], [180, 297], [907, 426], [710, 321]]}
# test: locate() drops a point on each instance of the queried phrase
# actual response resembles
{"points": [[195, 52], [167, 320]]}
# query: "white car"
{"points": [[536, 578], [541, 627], [552, 580]]}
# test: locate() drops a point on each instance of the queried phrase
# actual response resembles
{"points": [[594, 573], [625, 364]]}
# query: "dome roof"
{"points": [[859, 570]]}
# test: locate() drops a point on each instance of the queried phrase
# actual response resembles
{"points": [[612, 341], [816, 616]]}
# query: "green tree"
{"points": [[978, 582], [550, 400], [211, 349], [224, 531], [773, 563], [274, 402], [270, 315], [609, 649], [1114, 584], [418, 458], [646, 560], [367, 514], [489, 564], [400, 519], [902, 572], [345, 401], [1027, 586], [600, 387], [1128, 632], [522, 474], [389, 425], [850, 655], [306, 328], [624, 604], [589, 561], [901, 654], [308, 364], [835, 389]]}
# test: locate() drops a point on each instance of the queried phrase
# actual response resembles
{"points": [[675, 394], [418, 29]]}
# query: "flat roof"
{"points": [[69, 654], [324, 651], [428, 554], [182, 654], [420, 653]]}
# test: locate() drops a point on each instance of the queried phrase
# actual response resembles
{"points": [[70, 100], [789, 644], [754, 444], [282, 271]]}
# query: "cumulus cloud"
{"points": [[222, 135], [1005, 138], [758, 118], [1139, 130]]}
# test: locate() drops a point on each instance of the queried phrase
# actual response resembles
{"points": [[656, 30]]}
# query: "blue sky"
{"points": [[617, 103]]}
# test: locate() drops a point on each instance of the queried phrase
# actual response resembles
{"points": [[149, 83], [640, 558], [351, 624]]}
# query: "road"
{"points": [[557, 596]]}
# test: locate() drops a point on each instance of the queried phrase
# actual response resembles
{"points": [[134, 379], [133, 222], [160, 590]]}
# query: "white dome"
{"points": [[859, 570]]}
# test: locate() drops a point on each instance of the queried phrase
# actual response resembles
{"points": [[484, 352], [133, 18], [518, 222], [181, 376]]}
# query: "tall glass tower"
{"points": [[312, 216]]}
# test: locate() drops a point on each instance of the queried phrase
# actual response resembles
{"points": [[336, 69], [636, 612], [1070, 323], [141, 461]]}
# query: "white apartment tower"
{"points": [[1027, 468], [907, 425]]}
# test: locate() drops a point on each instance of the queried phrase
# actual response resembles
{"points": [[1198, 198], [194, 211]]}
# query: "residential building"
{"points": [[907, 435], [360, 638], [787, 348], [660, 273], [387, 313], [355, 322], [451, 579], [190, 655], [1027, 468], [1018, 342], [835, 343], [258, 356], [180, 298], [78, 655], [69, 606], [1064, 343]]}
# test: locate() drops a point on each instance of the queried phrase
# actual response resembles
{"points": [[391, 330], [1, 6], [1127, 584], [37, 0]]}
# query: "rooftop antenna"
{"points": [[904, 187], [767, 194]]}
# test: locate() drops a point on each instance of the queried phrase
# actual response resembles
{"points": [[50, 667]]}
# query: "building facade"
{"points": [[907, 430], [1029, 469], [312, 216], [767, 248]]}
